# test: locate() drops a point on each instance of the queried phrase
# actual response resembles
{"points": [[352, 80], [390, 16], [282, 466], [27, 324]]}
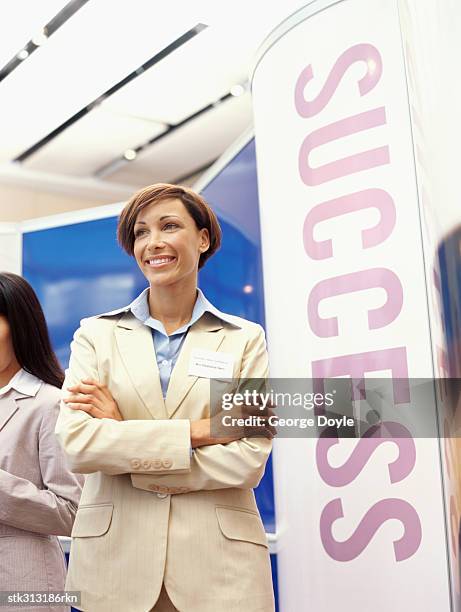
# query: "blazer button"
{"points": [[135, 464], [162, 495], [167, 463], [146, 464], [156, 464]]}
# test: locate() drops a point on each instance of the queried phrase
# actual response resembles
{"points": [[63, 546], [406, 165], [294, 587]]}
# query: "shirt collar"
{"points": [[23, 382], [140, 309]]}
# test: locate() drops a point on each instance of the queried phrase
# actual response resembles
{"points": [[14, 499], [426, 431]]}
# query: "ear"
{"points": [[204, 240]]}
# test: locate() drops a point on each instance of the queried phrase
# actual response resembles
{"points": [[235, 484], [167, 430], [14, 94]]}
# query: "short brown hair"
{"points": [[196, 206]]}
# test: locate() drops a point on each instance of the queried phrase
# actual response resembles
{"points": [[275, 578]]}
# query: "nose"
{"points": [[156, 242]]}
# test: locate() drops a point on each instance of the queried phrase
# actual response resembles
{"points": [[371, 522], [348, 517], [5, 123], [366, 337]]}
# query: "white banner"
{"points": [[360, 523]]}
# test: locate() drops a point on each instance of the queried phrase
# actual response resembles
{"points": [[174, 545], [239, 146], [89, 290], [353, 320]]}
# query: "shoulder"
{"points": [[242, 326], [232, 323], [100, 323], [49, 394], [47, 400]]}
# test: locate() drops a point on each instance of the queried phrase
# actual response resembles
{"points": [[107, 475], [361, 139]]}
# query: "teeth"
{"points": [[160, 260]]}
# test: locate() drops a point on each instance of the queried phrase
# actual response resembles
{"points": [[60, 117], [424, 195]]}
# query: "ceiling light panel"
{"points": [[187, 80], [22, 20], [100, 45], [93, 141], [189, 148], [208, 67]]}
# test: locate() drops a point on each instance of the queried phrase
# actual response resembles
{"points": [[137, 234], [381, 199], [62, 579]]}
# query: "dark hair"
{"points": [[29, 333], [196, 206]]}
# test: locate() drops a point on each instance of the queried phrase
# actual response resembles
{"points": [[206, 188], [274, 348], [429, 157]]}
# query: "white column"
{"points": [[342, 237], [10, 248]]}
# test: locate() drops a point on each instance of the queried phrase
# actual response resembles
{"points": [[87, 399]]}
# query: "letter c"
{"points": [[348, 283]]}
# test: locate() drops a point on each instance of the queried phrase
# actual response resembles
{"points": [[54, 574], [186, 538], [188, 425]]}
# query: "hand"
{"points": [[251, 419], [200, 434], [95, 399], [215, 430]]}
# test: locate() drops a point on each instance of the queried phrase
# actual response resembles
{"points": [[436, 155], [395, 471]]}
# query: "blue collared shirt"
{"points": [[167, 347]]}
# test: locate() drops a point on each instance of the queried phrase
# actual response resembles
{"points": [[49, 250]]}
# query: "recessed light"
{"points": [[23, 54], [130, 154], [237, 90], [40, 38]]}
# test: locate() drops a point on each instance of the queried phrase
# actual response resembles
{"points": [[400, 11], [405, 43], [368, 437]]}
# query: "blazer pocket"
{"points": [[241, 524], [92, 521]]}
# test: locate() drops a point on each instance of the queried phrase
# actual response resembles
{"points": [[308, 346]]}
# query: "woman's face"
{"points": [[8, 360], [167, 244]]}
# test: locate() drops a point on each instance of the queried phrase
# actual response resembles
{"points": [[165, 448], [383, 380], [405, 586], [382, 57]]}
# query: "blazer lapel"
{"points": [[207, 333], [8, 407], [135, 342]]}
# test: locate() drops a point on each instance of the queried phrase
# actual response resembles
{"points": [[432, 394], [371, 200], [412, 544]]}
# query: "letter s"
{"points": [[372, 439], [363, 52], [378, 514]]}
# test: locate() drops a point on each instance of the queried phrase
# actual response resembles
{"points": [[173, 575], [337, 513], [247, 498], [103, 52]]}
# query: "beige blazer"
{"points": [[150, 512], [38, 494]]}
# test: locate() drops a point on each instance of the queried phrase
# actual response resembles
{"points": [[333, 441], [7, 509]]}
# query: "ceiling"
{"points": [[128, 92]]}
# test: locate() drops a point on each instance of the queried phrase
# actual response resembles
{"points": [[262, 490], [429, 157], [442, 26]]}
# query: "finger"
{"points": [[259, 410], [219, 430], [269, 432], [96, 385], [85, 393], [99, 387], [266, 431], [96, 388], [91, 381], [265, 420], [84, 389], [93, 411], [83, 407], [80, 399], [259, 433]]}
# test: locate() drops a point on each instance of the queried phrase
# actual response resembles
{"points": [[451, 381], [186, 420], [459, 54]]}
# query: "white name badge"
{"points": [[209, 364]]}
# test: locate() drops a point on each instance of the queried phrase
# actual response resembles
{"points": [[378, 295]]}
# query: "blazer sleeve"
{"points": [[50, 510], [116, 447], [238, 464]]}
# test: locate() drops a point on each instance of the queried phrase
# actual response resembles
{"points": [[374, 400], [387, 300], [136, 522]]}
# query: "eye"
{"points": [[169, 226], [139, 232]]}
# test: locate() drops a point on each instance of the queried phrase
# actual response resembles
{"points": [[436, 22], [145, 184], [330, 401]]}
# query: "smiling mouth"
{"points": [[160, 262]]}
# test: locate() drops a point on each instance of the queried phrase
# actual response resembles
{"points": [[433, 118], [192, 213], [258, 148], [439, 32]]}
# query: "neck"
{"points": [[7, 374], [172, 305]]}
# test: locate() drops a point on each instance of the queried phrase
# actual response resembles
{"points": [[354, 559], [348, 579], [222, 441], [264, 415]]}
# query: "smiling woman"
{"points": [[174, 500], [192, 203], [171, 232], [166, 234]]}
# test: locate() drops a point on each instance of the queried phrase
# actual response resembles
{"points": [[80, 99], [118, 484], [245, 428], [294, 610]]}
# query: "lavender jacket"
{"points": [[39, 496]]}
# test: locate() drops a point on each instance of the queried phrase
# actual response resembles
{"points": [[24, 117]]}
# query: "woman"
{"points": [[168, 519], [38, 494]]}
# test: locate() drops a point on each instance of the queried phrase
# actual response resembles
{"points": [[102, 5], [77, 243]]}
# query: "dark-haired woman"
{"points": [[38, 494], [168, 519]]}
